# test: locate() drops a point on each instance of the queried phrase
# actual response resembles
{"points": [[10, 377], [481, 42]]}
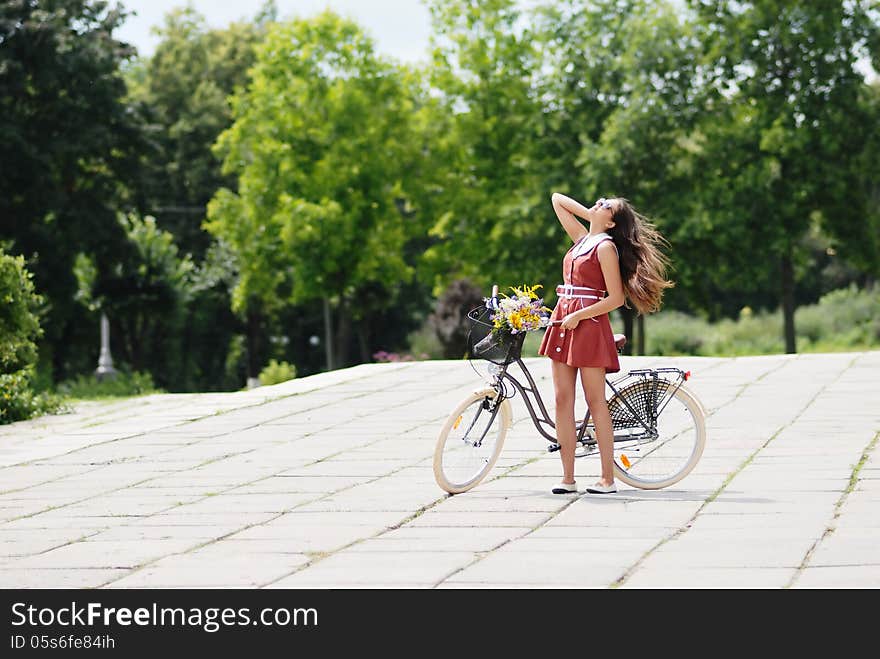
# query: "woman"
{"points": [[618, 258]]}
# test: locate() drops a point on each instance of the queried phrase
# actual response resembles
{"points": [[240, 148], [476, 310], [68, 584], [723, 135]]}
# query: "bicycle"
{"points": [[659, 424]]}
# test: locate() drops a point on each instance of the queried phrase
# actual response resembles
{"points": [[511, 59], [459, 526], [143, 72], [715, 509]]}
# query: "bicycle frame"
{"points": [[584, 435]]}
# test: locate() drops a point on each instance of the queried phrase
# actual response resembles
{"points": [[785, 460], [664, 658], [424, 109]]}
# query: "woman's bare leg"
{"points": [[593, 381], [564, 377]]}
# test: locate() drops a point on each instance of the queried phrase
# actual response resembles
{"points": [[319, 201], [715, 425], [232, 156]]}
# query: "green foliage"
{"points": [[845, 319], [320, 146], [182, 94], [532, 343], [323, 123], [424, 342], [676, 333], [449, 320], [777, 147], [235, 362], [275, 372], [145, 294], [19, 322], [842, 320], [18, 401], [19, 331], [126, 383], [489, 206], [68, 147], [289, 166]]}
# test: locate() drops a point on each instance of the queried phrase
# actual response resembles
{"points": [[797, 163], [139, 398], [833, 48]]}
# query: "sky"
{"points": [[400, 28]]}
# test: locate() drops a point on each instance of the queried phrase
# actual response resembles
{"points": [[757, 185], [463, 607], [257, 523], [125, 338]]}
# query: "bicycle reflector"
{"points": [[687, 375], [457, 421], [625, 460]]}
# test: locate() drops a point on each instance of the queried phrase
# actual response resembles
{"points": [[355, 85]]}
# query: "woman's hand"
{"points": [[571, 321]]}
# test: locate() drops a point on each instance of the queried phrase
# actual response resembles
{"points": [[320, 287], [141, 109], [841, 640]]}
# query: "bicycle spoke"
{"points": [[672, 454], [466, 451]]}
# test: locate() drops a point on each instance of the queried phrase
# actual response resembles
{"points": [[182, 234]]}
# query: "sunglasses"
{"points": [[602, 202]]}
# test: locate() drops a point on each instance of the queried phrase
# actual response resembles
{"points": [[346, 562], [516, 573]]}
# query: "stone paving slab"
{"points": [[327, 482]]}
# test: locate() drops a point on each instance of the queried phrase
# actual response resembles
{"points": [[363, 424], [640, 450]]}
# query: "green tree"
{"points": [[857, 242], [68, 146], [487, 198], [145, 295], [181, 93], [778, 139], [321, 147], [621, 106]]}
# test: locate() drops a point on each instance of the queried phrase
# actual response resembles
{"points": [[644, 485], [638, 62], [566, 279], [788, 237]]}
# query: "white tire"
{"points": [[471, 441]]}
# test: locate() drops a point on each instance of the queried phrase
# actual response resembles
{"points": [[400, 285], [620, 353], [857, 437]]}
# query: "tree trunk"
{"points": [[363, 334], [788, 304], [640, 345], [254, 343], [59, 370], [328, 335], [123, 329], [627, 315], [343, 335]]}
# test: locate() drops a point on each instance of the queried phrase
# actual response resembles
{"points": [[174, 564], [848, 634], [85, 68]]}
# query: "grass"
{"points": [[124, 385]]}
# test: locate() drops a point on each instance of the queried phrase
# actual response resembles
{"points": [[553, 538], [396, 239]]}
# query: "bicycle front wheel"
{"points": [[471, 440], [669, 454]]}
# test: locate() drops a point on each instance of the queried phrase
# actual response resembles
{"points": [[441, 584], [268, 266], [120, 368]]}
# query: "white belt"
{"points": [[569, 291], [581, 292]]}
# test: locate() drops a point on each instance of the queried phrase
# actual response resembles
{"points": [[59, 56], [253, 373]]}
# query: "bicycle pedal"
{"points": [[552, 447]]}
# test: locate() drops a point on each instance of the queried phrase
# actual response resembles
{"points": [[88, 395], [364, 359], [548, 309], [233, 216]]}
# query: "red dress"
{"points": [[591, 343]]}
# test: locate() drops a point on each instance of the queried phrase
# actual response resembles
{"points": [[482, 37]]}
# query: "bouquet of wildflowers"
{"points": [[523, 311]]}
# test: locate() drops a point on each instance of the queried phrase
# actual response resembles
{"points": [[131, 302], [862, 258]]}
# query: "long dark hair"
{"points": [[643, 265]]}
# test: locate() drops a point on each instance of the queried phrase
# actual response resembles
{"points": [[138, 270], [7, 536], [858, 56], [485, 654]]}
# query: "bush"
{"points": [[19, 331], [19, 402], [424, 342], [532, 343], [19, 325], [276, 372], [842, 319], [845, 319], [449, 320], [88, 387], [675, 333], [752, 334]]}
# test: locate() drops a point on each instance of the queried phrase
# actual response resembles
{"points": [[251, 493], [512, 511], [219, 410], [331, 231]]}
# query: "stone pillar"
{"points": [[105, 368]]}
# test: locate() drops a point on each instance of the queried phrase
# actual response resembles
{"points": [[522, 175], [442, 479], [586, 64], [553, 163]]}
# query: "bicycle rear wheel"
{"points": [[651, 461], [470, 441]]}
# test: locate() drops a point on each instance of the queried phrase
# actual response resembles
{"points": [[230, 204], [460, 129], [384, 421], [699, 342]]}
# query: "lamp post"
{"points": [[105, 368]]}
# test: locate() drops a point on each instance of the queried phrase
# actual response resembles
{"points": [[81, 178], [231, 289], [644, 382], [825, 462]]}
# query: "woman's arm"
{"points": [[566, 210], [610, 264]]}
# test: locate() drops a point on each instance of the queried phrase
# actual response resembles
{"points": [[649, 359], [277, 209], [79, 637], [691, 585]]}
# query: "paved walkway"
{"points": [[327, 481]]}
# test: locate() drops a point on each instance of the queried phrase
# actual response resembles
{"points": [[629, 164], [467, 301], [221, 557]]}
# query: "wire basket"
{"points": [[642, 397], [497, 347]]}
